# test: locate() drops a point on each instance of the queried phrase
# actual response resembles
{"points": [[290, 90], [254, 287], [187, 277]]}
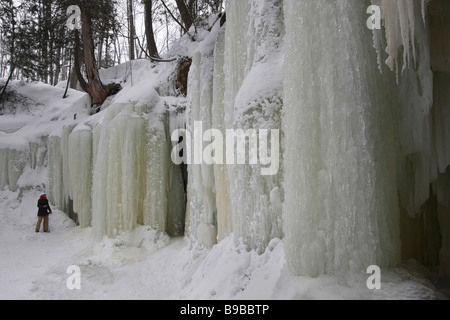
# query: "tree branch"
{"points": [[177, 21], [153, 59]]}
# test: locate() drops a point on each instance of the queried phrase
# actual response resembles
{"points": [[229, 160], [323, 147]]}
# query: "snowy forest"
{"points": [[218, 150]]}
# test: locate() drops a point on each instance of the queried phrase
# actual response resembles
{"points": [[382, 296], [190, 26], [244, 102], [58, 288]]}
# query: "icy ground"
{"points": [[146, 265]]}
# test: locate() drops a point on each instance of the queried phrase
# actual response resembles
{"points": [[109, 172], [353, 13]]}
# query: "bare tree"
{"points": [[94, 86], [149, 33], [185, 14], [131, 29]]}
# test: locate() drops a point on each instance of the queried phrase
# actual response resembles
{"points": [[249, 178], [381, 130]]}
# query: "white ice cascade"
{"points": [[135, 182], [236, 83], [362, 143], [201, 184], [253, 99], [60, 186], [365, 176], [341, 208], [19, 159], [80, 173]]}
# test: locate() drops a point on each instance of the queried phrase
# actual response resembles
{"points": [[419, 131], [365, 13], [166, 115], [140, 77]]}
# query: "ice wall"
{"points": [[60, 186], [80, 173], [165, 199], [13, 163], [423, 108], [341, 209], [363, 123], [361, 144], [19, 157], [253, 99], [134, 182], [222, 184], [417, 166], [235, 82], [202, 201]]}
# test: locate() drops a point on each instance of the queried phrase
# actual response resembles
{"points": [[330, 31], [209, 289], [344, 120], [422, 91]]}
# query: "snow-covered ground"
{"points": [[146, 265]]}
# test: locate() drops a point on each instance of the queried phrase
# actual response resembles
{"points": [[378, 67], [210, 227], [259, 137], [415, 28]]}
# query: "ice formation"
{"points": [[363, 123], [236, 83], [340, 211], [354, 137], [134, 180], [80, 173]]}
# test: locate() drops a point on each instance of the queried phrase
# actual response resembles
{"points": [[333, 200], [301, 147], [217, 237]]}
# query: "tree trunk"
{"points": [[178, 22], [12, 47], [107, 58], [151, 43], [73, 78], [131, 31], [57, 66], [7, 81], [94, 86], [68, 80], [100, 50], [77, 64], [45, 54], [117, 52], [185, 14]]}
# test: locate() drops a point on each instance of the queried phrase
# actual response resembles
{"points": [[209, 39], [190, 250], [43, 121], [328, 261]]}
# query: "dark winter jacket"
{"points": [[44, 207]]}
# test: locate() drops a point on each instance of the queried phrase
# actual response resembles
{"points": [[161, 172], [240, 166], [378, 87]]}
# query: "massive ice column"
{"points": [[341, 208], [202, 196], [134, 182], [80, 173], [253, 100], [235, 83]]}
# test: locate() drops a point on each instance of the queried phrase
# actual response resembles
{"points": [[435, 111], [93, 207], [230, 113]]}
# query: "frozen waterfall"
{"points": [[363, 120], [341, 210], [359, 143]]}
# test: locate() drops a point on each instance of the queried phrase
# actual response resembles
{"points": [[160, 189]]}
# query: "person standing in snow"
{"points": [[44, 211]]}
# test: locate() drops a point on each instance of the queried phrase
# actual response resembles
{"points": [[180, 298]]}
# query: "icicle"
{"points": [[424, 10], [399, 21], [80, 174], [253, 100], [222, 183], [134, 183]]}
